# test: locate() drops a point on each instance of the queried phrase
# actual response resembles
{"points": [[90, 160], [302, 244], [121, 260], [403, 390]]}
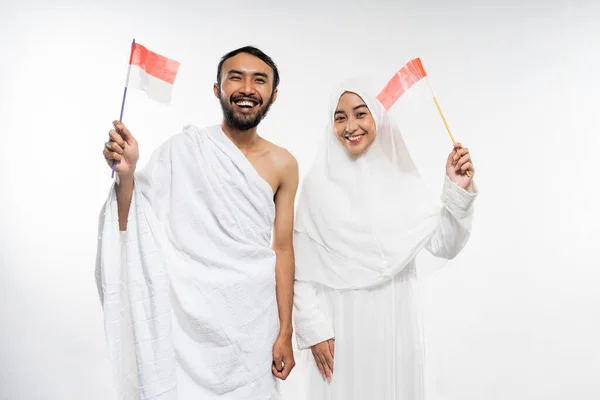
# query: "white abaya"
{"points": [[361, 224], [379, 349]]}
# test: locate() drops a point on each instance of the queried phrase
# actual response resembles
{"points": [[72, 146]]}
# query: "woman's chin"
{"points": [[356, 149]]}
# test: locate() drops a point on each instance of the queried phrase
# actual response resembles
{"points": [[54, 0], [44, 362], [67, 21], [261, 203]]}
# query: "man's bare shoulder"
{"points": [[283, 161]]}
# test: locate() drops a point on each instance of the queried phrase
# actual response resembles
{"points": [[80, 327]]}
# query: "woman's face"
{"points": [[353, 123]]}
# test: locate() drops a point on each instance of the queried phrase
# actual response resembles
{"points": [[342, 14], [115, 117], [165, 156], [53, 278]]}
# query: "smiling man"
{"points": [[195, 265]]}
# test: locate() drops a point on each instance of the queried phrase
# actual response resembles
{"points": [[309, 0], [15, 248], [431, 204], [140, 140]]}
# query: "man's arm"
{"points": [[124, 190], [284, 267], [122, 149]]}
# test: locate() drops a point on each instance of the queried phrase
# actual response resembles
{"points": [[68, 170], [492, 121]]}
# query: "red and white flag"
{"points": [[152, 73], [406, 76]]}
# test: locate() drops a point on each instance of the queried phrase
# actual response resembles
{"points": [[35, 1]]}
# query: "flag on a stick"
{"points": [[152, 73], [406, 76]]}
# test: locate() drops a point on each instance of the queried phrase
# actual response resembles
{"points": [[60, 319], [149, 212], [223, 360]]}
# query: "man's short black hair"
{"points": [[256, 53]]}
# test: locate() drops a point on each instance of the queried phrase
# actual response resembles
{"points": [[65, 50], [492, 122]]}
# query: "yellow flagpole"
{"points": [[442, 115]]}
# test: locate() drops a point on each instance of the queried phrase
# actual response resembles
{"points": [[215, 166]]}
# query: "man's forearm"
{"points": [[284, 279], [124, 190]]}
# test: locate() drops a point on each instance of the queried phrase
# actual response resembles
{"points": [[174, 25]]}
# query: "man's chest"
{"points": [[266, 168]]}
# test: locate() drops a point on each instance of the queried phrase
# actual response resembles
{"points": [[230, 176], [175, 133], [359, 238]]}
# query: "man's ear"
{"points": [[274, 97]]}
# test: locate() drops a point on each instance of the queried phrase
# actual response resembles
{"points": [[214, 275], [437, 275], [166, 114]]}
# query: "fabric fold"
{"points": [[190, 309]]}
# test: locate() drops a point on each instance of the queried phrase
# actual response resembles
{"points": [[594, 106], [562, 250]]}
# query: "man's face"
{"points": [[246, 91]]}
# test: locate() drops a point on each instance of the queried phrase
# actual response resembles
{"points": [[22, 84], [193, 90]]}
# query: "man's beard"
{"points": [[243, 122]]}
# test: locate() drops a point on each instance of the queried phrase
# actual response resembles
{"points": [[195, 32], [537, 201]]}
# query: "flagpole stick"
{"points": [[124, 97], [442, 115]]}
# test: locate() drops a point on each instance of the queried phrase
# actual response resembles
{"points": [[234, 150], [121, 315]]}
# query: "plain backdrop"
{"points": [[515, 316]]}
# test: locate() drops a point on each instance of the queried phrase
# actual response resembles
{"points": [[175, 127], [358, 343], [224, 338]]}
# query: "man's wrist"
{"points": [[124, 180], [286, 331]]}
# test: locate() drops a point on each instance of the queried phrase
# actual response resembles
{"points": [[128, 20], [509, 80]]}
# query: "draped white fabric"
{"points": [[189, 299], [361, 220], [360, 225]]}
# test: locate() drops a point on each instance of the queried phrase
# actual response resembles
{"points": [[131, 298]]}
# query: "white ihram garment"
{"points": [[189, 301]]}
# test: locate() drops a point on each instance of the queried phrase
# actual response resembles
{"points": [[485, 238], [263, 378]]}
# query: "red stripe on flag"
{"points": [[154, 64], [407, 76]]}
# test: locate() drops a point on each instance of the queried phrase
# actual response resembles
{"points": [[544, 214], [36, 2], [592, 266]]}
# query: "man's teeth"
{"points": [[245, 103]]}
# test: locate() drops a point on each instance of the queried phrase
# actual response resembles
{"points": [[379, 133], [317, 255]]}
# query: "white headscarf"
{"points": [[361, 220]]}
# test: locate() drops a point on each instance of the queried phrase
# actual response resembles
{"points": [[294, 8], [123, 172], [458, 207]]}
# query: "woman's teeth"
{"points": [[355, 138]]}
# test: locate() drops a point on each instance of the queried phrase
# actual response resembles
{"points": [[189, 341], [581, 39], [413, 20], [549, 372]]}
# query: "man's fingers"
{"points": [[113, 147], [331, 343], [287, 369], [115, 137], [279, 370], [278, 363], [122, 129], [111, 155], [275, 372]]}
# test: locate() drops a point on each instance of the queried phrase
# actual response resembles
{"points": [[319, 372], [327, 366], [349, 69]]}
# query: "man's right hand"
{"points": [[323, 354], [123, 148]]}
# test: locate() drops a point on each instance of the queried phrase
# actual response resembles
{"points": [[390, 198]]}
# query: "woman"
{"points": [[364, 214]]}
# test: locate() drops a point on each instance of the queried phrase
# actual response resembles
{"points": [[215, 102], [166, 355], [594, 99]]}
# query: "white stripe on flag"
{"points": [[155, 88]]}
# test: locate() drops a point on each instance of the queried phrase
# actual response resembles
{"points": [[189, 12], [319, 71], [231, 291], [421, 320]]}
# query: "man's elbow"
{"points": [[283, 250], [284, 253]]}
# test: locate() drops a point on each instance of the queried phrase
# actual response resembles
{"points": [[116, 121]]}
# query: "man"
{"points": [[197, 299]]}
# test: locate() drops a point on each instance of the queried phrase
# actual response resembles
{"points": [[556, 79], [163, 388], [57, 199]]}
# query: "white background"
{"points": [[515, 316]]}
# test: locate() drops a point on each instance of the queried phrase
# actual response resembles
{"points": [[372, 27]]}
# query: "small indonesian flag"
{"points": [[407, 76], [152, 73]]}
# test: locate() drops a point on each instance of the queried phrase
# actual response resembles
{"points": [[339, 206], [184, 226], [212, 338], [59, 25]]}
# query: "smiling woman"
{"points": [[354, 124], [363, 217]]}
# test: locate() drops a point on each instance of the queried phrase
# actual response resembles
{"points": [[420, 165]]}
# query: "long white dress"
{"points": [[378, 333], [361, 223]]}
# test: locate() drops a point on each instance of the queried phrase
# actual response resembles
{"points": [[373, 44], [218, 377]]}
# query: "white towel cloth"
{"points": [[189, 295]]}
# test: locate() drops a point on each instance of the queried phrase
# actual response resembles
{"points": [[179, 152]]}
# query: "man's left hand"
{"points": [[283, 357]]}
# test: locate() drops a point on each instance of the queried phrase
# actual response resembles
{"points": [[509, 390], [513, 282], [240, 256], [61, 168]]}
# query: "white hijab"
{"points": [[361, 220]]}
